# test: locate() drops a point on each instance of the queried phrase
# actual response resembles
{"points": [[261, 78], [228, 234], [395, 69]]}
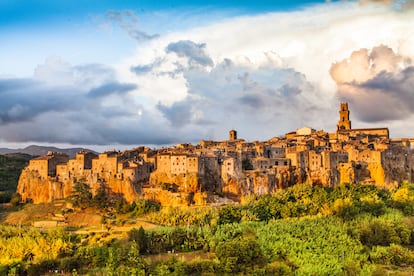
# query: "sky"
{"points": [[118, 74]]}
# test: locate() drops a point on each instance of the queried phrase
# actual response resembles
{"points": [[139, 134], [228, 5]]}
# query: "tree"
{"points": [[237, 255], [101, 200], [229, 214], [81, 195], [15, 200], [140, 238]]}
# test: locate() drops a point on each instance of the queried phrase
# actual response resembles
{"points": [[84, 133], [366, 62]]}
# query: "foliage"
{"points": [[15, 199], [11, 166], [229, 214], [173, 216], [239, 255], [403, 198], [140, 238], [143, 206], [303, 230], [393, 255], [316, 246], [101, 200], [81, 195]]}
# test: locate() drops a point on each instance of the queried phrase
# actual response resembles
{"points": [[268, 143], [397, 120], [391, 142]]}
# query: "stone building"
{"points": [[185, 174], [53, 176]]}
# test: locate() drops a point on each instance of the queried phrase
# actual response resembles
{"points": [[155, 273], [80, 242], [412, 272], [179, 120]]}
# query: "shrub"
{"points": [[238, 255], [392, 255], [229, 214], [140, 238]]}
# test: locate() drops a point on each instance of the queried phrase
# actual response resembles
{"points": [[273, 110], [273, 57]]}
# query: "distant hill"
{"points": [[41, 150]]}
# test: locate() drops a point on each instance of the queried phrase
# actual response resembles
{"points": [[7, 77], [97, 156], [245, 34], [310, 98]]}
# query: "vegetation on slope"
{"points": [[11, 166], [303, 230]]}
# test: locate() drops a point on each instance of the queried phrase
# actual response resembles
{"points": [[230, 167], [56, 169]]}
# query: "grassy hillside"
{"points": [[10, 167], [303, 230]]}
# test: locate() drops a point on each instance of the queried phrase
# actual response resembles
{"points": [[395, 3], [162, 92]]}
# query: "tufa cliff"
{"points": [[188, 174]]}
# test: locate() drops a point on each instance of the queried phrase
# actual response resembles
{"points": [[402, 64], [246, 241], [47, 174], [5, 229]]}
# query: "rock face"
{"points": [[185, 174]]}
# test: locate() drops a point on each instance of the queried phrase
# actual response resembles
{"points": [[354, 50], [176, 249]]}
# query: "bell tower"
{"points": [[344, 122], [233, 135]]}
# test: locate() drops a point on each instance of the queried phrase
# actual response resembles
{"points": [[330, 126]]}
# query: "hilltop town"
{"points": [[213, 171]]}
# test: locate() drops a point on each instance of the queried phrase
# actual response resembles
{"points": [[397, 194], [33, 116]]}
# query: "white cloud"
{"points": [[264, 75], [267, 46]]}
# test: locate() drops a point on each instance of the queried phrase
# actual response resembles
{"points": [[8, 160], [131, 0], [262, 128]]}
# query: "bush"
{"points": [[140, 238], [382, 232], [170, 267], [201, 267], [393, 255], [238, 255], [42, 267], [142, 206], [229, 214]]}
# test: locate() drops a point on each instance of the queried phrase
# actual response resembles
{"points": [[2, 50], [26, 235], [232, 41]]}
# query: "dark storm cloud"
{"points": [[179, 113], [250, 99], [194, 52], [128, 21], [107, 89], [41, 110], [378, 83], [23, 99], [85, 128]]}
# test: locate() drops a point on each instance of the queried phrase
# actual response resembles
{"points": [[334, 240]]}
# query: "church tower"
{"points": [[344, 122], [233, 135]]}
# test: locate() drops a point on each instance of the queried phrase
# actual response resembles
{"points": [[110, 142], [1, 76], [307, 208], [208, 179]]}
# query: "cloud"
{"points": [[24, 99], [89, 108], [268, 74], [179, 113], [54, 71], [263, 75], [146, 68], [378, 83], [111, 88], [399, 5], [238, 95], [194, 52], [128, 21]]}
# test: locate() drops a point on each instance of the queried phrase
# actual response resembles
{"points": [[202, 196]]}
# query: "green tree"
{"points": [[229, 214], [140, 238], [239, 255], [101, 200], [81, 194]]}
